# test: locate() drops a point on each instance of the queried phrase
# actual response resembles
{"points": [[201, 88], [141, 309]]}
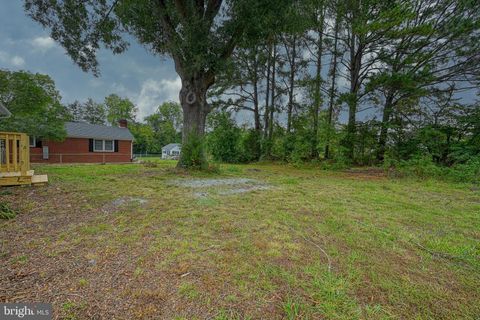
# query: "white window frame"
{"points": [[103, 145], [34, 142]]}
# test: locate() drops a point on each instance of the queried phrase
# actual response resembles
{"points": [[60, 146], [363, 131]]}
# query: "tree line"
{"points": [[343, 80], [360, 81], [356, 82]]}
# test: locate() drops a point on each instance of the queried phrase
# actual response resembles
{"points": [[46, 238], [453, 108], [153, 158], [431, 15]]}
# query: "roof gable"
{"points": [[95, 131]]}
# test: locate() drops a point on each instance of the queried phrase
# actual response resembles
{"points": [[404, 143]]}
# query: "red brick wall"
{"points": [[75, 150]]}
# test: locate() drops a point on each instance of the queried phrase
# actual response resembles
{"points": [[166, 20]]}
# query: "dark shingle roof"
{"points": [[95, 131], [4, 113], [170, 146]]}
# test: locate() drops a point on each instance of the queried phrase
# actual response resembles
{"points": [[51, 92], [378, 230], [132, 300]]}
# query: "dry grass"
{"points": [[120, 241]]}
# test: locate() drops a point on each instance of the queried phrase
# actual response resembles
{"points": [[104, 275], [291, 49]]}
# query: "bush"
{"points": [[223, 141], [193, 155], [424, 167], [249, 148]]}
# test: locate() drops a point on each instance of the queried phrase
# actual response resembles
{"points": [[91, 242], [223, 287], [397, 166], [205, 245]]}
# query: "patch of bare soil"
{"points": [[230, 186], [205, 183]]}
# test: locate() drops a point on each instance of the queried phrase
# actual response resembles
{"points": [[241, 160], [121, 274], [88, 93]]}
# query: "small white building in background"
{"points": [[171, 151]]}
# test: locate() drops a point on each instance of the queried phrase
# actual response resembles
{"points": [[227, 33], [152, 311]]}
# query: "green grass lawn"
{"points": [[132, 242]]}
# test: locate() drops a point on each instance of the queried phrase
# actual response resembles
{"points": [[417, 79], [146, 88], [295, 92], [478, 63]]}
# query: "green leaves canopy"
{"points": [[34, 103]]}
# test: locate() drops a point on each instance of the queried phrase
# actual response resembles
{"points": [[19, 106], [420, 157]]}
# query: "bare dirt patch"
{"points": [[205, 183], [230, 186]]}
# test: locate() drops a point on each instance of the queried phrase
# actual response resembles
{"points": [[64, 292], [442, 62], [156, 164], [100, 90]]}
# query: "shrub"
{"points": [[250, 148], [223, 141], [193, 155], [424, 167]]}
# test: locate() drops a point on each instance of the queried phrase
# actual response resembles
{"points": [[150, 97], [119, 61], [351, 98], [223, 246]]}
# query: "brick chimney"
{"points": [[123, 123]]}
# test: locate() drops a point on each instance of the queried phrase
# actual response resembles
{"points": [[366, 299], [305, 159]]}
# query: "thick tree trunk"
{"points": [[193, 99], [382, 140]]}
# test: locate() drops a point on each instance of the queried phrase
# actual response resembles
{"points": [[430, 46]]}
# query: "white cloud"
{"points": [[15, 60], [154, 93], [43, 43], [18, 61]]}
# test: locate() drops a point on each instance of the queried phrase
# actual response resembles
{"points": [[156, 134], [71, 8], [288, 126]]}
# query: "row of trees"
{"points": [[396, 71], [349, 80], [296, 64], [37, 109]]}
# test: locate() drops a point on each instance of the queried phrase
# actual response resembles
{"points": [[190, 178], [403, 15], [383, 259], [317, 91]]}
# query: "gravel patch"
{"points": [[229, 186], [205, 183]]}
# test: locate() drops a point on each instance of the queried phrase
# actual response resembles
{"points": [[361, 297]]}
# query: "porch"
{"points": [[15, 161]]}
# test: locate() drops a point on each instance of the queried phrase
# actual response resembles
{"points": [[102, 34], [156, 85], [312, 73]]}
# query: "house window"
{"points": [[33, 142], [103, 145], [175, 153], [108, 145]]}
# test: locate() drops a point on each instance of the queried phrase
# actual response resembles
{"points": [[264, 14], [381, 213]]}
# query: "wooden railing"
{"points": [[14, 153]]}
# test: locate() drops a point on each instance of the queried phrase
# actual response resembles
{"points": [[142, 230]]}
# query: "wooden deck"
{"points": [[15, 160]]}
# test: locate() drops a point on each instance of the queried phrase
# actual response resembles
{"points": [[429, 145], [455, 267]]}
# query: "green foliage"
{"points": [[366, 142], [34, 103], [424, 167], [119, 108], [223, 140], [250, 148], [6, 212], [144, 138], [94, 113], [193, 153], [166, 124]]}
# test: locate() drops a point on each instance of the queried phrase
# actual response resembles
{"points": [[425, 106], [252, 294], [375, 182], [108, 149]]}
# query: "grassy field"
{"points": [[271, 242]]}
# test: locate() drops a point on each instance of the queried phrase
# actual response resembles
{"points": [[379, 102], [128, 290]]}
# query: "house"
{"points": [[85, 142], [171, 151]]}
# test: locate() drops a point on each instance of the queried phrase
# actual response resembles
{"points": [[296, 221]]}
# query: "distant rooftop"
{"points": [[96, 131], [170, 146]]}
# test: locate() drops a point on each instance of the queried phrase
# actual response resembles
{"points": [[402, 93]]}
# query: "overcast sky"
{"points": [[145, 79]]}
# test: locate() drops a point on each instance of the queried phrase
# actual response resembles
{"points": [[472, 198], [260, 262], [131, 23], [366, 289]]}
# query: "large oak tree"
{"points": [[199, 35]]}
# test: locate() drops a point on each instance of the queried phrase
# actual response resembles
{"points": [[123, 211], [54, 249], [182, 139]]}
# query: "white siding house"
{"points": [[171, 151]]}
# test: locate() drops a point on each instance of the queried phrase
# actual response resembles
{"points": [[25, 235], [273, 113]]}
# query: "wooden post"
{"points": [[24, 145], [7, 152], [15, 152]]}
